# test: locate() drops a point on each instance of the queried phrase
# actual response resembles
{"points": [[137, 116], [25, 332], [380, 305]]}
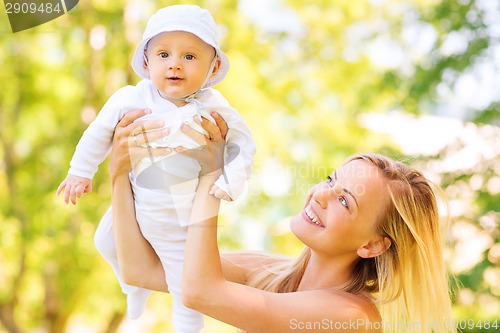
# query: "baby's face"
{"points": [[178, 64]]}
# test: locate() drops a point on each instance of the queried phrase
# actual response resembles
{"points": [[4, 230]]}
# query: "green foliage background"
{"points": [[303, 90]]}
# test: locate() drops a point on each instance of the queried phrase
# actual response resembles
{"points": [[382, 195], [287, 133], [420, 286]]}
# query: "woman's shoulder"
{"points": [[243, 266], [353, 311]]}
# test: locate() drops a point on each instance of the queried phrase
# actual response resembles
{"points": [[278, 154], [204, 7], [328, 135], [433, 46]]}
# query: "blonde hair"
{"points": [[409, 280]]}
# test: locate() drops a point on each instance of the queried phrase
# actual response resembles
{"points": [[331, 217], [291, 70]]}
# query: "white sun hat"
{"points": [[188, 18]]}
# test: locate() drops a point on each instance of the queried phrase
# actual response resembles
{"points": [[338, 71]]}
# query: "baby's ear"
{"points": [[374, 248], [145, 62], [216, 67]]}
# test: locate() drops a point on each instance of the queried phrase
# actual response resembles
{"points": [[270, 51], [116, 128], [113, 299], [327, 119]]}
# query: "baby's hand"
{"points": [[74, 187], [219, 194]]}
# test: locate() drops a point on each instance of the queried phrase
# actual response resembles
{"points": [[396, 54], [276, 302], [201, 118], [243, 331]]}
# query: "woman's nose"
{"points": [[324, 194], [321, 196]]}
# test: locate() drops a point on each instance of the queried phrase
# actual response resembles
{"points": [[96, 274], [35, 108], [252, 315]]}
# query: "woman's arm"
{"points": [[138, 261], [206, 289], [241, 266]]}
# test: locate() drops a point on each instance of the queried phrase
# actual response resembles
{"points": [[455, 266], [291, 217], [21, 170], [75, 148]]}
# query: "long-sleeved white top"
{"points": [[96, 141]]}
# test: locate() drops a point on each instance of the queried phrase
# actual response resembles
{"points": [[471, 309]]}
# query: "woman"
{"points": [[372, 260]]}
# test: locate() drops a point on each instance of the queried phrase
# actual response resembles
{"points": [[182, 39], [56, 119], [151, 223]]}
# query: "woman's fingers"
{"points": [[136, 153], [198, 137], [136, 138], [216, 132], [145, 131], [127, 150], [147, 126], [140, 144], [144, 135], [212, 130], [221, 124], [132, 116], [210, 156]]}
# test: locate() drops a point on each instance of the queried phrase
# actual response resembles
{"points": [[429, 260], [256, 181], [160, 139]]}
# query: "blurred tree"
{"points": [[468, 170], [47, 256]]}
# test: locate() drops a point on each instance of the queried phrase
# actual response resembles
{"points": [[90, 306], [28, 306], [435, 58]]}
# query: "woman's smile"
{"points": [[311, 217]]}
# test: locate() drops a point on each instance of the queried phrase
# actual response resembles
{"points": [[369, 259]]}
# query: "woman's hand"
{"points": [[211, 154], [217, 131], [130, 142]]}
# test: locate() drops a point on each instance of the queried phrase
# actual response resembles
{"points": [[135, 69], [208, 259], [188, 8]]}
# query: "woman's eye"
{"points": [[343, 202], [189, 57], [329, 180], [163, 55]]}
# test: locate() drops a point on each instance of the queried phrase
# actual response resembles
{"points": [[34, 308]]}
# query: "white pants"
{"points": [[160, 215]]}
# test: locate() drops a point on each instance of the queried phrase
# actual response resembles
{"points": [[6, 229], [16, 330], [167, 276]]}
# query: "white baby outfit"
{"points": [[164, 189]]}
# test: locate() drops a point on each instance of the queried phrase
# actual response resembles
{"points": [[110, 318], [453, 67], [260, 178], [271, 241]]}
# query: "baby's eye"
{"points": [[163, 55], [189, 57]]}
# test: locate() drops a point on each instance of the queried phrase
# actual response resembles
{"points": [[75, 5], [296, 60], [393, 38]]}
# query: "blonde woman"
{"points": [[372, 260]]}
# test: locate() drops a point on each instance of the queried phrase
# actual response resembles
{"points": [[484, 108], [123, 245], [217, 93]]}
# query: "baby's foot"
{"points": [[136, 303]]}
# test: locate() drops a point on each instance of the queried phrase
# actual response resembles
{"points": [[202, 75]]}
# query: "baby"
{"points": [[179, 59]]}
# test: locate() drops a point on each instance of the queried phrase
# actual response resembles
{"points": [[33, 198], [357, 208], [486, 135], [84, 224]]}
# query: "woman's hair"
{"points": [[409, 280]]}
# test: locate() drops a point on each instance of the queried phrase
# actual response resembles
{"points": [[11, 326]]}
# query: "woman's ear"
{"points": [[374, 248]]}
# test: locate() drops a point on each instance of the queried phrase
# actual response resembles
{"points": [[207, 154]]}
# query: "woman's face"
{"points": [[340, 214]]}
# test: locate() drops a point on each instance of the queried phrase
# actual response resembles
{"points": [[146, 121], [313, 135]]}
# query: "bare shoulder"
{"points": [[353, 312], [240, 266], [302, 311]]}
